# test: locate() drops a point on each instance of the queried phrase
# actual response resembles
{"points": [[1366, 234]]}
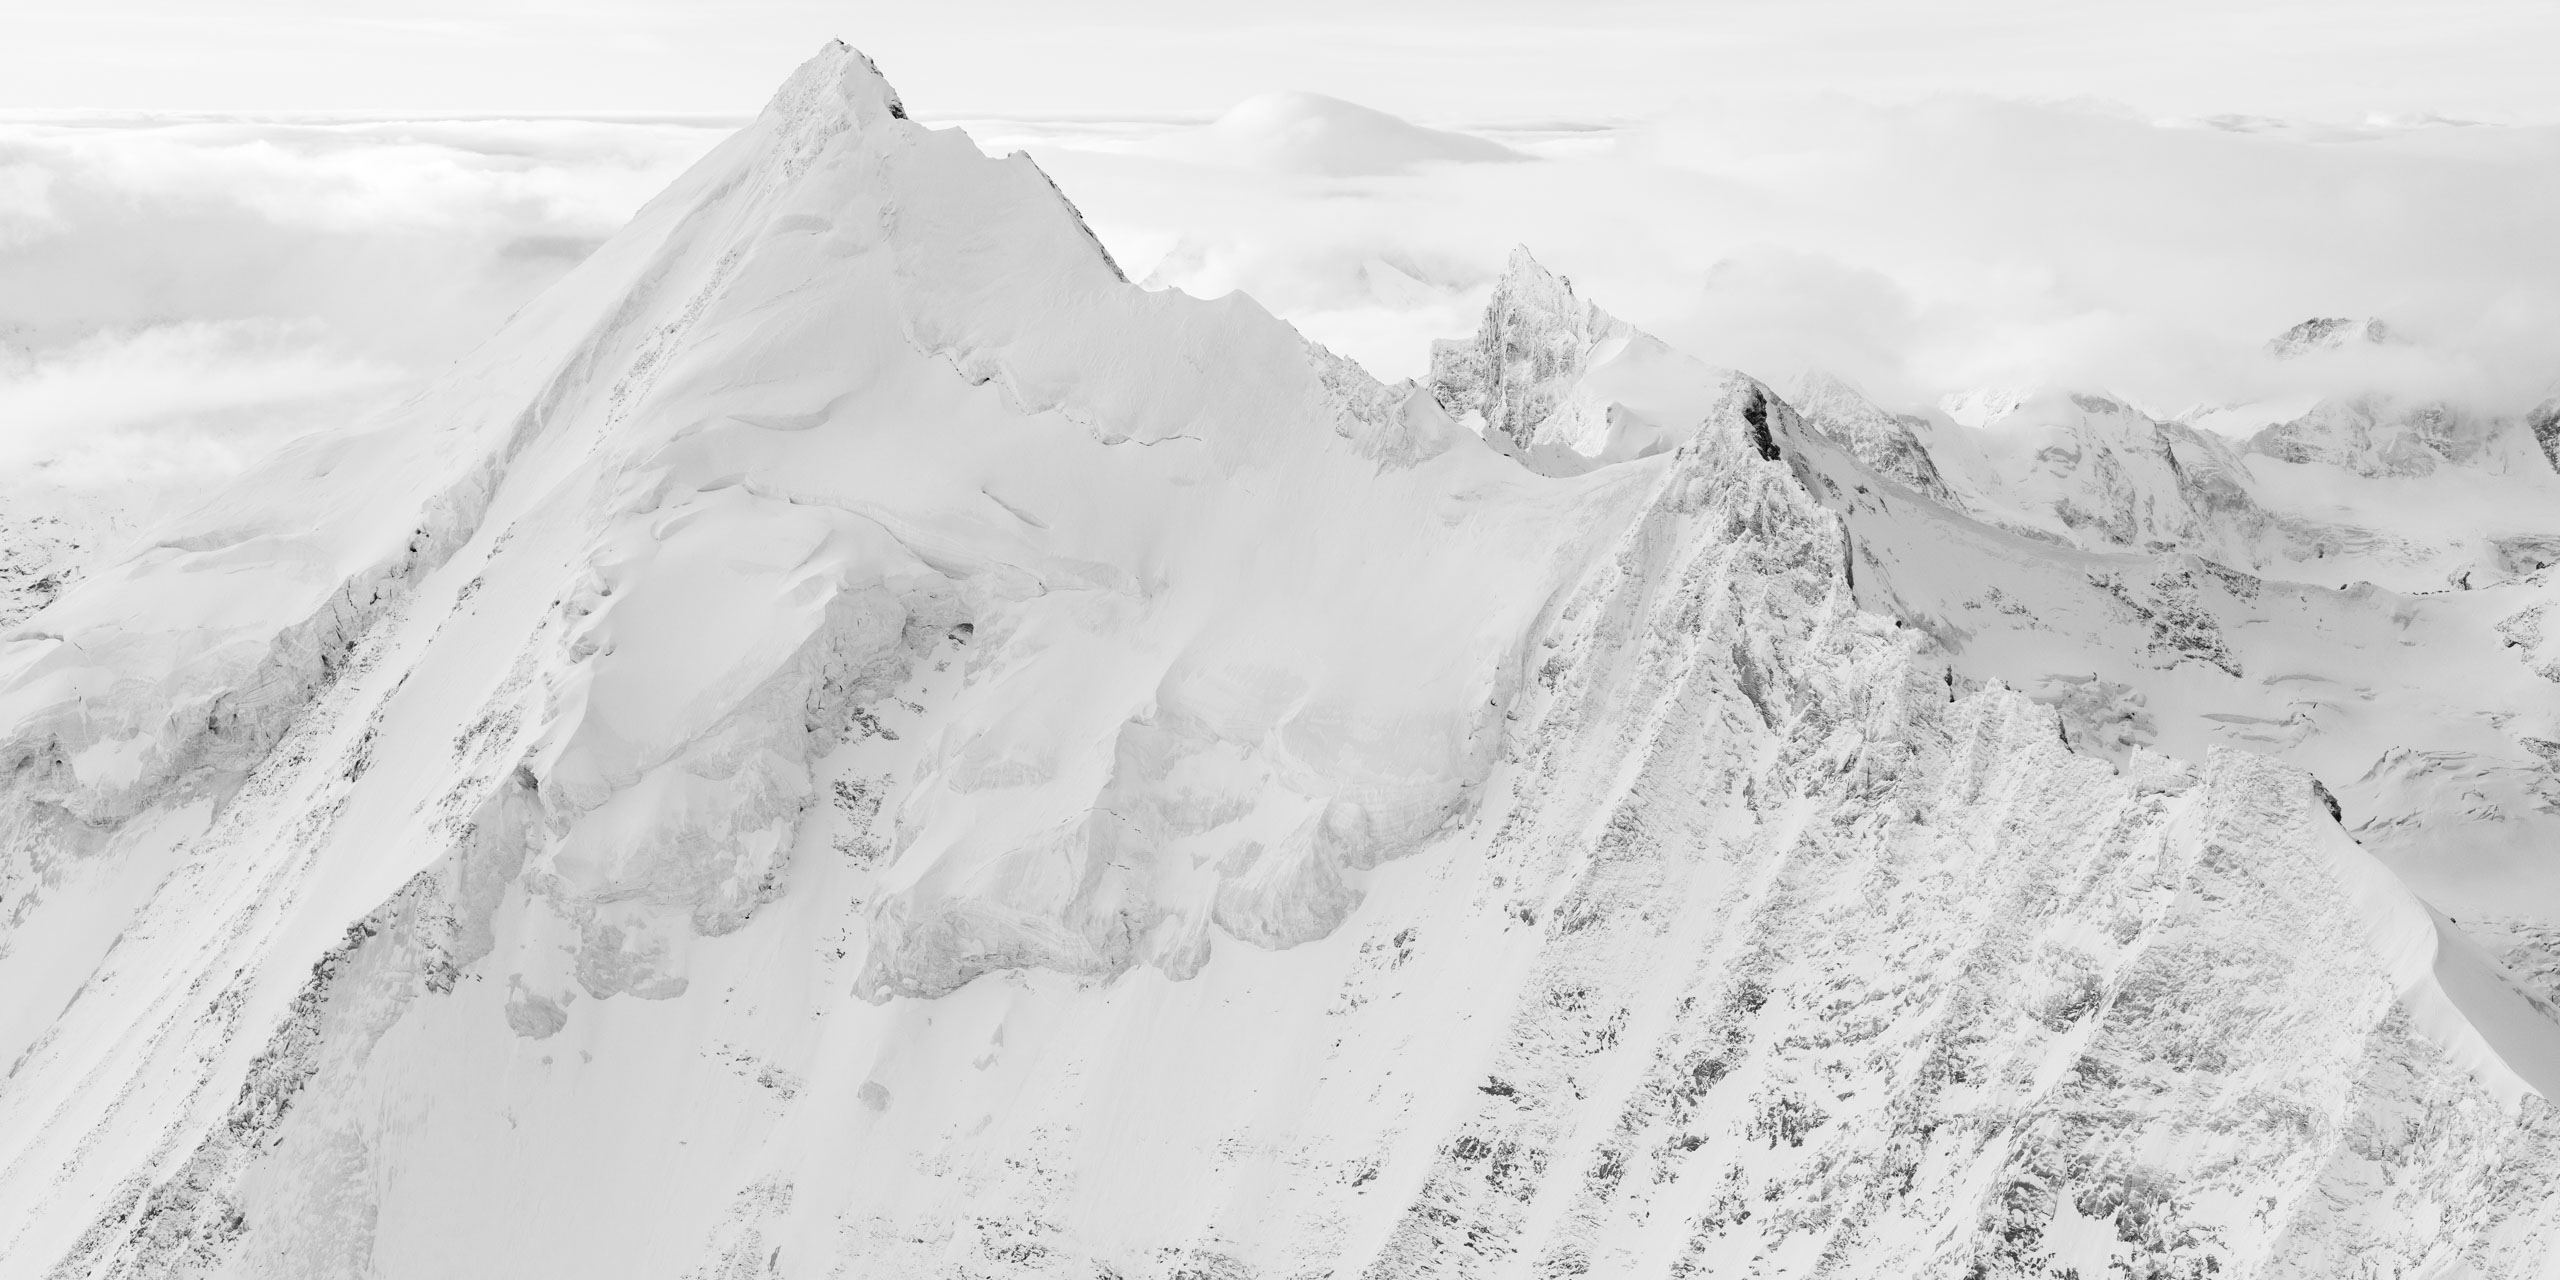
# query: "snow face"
{"points": [[851, 740]]}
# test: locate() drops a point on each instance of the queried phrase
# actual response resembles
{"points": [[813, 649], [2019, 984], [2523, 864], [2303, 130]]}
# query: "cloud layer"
{"points": [[177, 295], [1921, 248]]}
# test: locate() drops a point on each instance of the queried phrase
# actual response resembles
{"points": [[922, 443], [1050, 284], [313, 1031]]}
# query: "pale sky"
{"points": [[1449, 60]]}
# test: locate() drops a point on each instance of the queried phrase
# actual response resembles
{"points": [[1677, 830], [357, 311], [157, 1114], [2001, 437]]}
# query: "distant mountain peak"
{"points": [[850, 738], [1294, 131], [2329, 333], [1524, 265], [1563, 385]]}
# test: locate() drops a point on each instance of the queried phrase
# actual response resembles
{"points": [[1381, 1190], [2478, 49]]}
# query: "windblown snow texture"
{"points": [[849, 740]]}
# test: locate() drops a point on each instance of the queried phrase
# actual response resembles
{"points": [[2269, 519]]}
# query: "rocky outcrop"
{"points": [[2379, 436], [1561, 385], [2544, 422], [1890, 444], [1536, 338]]}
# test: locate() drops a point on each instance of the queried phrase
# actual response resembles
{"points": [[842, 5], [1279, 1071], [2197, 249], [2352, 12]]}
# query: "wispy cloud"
{"points": [[172, 405]]}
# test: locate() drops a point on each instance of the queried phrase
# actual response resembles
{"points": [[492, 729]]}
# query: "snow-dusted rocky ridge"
{"points": [[850, 740]]}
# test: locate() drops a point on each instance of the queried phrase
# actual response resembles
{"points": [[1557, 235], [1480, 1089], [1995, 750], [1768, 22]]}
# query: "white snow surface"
{"points": [[850, 740]]}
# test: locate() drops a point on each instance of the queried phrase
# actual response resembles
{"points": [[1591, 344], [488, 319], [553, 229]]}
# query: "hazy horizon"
{"points": [[1504, 61]]}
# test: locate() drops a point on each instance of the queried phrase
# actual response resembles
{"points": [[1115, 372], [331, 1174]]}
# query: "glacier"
{"points": [[851, 740]]}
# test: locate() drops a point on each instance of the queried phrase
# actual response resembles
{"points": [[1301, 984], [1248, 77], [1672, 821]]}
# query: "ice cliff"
{"points": [[850, 740]]}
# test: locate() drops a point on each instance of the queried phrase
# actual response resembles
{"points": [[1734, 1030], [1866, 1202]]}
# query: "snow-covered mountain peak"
{"points": [[1896, 445], [1530, 284], [1564, 386], [2360, 418], [849, 739], [2329, 333], [840, 73], [1982, 406], [2383, 487]]}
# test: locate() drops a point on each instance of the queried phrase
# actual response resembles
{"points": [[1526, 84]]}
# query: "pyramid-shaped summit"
{"points": [[850, 740]]}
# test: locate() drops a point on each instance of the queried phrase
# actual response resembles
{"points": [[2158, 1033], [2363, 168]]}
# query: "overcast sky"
{"points": [[1447, 60]]}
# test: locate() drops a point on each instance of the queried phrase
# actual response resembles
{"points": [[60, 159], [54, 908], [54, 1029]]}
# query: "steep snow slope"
{"points": [[850, 740], [2412, 707]]}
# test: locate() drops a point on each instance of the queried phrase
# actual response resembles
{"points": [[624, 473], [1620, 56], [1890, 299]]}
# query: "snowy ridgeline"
{"points": [[851, 741]]}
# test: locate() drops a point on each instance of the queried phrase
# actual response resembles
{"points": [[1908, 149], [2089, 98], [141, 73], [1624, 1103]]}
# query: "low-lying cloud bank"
{"points": [[176, 295], [1920, 249], [179, 295]]}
